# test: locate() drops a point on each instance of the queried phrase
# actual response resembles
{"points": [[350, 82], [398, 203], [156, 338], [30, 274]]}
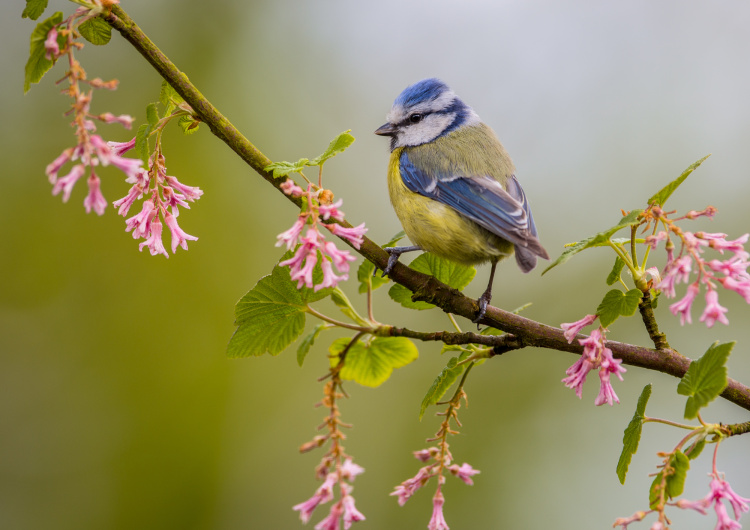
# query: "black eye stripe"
{"points": [[413, 118]]}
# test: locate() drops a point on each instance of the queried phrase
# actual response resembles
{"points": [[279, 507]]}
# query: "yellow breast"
{"points": [[439, 229]]}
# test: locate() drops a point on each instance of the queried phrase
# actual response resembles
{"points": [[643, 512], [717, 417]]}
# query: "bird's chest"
{"points": [[438, 228]]}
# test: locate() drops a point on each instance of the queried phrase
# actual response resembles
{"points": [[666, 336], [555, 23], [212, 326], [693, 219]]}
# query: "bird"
{"points": [[453, 186]]}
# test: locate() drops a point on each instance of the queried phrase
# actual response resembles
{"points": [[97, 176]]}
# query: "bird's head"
{"points": [[423, 112]]}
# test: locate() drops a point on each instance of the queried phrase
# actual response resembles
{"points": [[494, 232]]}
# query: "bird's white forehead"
{"points": [[399, 113]]}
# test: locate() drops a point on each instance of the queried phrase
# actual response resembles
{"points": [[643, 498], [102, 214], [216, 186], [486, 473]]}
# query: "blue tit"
{"points": [[453, 185]]}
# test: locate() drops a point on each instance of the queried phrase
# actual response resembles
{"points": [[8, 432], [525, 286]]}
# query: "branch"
{"points": [[738, 428], [647, 314], [524, 332]]}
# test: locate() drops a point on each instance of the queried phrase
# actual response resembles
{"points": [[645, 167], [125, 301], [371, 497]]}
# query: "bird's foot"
{"points": [[394, 253], [484, 301]]}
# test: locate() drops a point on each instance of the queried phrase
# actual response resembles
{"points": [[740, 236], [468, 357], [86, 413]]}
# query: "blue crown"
{"points": [[421, 91]]}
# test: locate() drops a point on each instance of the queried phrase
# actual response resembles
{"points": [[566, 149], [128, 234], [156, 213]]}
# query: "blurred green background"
{"points": [[118, 406]]}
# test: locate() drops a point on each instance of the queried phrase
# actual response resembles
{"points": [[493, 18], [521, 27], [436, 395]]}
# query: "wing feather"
{"points": [[483, 200]]}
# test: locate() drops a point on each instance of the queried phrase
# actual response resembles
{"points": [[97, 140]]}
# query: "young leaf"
{"points": [[632, 435], [670, 481], [705, 379], [452, 347], [307, 342], [366, 275], [661, 197], [188, 124], [271, 315], [337, 145], [339, 298], [38, 64], [142, 148], [616, 304], [282, 169], [679, 464], [695, 449], [614, 275], [443, 382], [366, 271], [96, 31], [152, 115], [169, 98], [371, 364], [598, 240], [34, 9], [452, 274]]}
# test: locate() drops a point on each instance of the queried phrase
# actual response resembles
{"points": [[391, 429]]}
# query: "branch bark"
{"points": [[525, 332]]}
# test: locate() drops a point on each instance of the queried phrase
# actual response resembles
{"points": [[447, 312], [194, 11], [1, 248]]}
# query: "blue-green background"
{"points": [[118, 407]]}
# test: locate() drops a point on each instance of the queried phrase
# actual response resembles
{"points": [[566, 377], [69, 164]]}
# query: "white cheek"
{"points": [[425, 131], [396, 115]]}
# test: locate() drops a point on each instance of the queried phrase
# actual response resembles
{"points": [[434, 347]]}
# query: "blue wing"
{"points": [[483, 200]]}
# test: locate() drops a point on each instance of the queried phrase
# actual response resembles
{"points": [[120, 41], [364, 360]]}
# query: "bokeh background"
{"points": [[118, 407]]}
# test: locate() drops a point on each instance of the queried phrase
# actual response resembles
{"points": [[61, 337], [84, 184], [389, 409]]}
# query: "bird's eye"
{"points": [[415, 118]]}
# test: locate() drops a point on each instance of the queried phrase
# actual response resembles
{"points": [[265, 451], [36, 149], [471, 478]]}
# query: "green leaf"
{"points": [[614, 275], [616, 304], [142, 148], [661, 197], [34, 9], [38, 65], [450, 273], [366, 271], [96, 31], [339, 298], [443, 382], [271, 315], [307, 342], [452, 347], [654, 298], [632, 435], [705, 379], [675, 472], [371, 364], [188, 124], [676, 481], [695, 449], [337, 145], [152, 115], [169, 97], [597, 240], [282, 169]]}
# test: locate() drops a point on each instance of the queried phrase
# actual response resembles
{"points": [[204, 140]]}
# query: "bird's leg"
{"points": [[393, 254], [484, 300]]}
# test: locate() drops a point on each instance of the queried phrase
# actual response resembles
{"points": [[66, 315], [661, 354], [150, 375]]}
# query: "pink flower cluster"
{"points": [[163, 191], [731, 273], [407, 488], [344, 508], [595, 355], [91, 150], [313, 247], [165, 194], [720, 489]]}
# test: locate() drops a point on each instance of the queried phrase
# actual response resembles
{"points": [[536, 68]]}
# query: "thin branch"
{"points": [[738, 428], [425, 288], [649, 320]]}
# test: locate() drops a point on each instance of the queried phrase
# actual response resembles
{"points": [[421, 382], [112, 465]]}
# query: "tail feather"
{"points": [[525, 258]]}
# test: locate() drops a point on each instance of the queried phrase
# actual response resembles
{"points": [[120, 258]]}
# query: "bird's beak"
{"points": [[386, 129]]}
